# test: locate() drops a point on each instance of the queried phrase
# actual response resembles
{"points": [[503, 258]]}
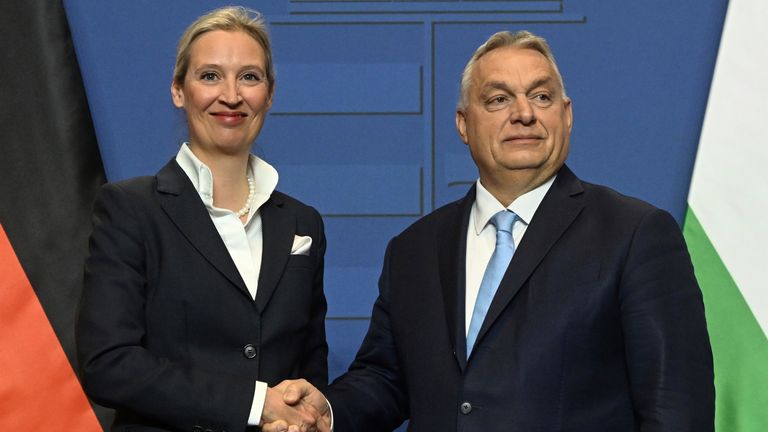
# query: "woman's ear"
{"points": [[177, 95]]}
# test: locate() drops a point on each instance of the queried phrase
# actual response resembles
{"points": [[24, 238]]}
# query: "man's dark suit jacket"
{"points": [[597, 326], [168, 333]]}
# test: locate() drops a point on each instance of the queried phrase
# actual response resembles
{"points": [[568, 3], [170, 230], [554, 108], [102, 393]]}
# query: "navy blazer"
{"points": [[598, 325], [168, 333]]}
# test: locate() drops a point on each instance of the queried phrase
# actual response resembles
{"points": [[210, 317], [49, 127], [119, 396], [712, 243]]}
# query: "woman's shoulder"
{"points": [[142, 185], [298, 207], [127, 194], [284, 199]]}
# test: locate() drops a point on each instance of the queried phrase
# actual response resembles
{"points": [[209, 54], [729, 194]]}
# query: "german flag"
{"points": [[50, 169]]}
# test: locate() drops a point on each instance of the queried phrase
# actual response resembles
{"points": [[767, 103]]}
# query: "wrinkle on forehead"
{"points": [[523, 75]]}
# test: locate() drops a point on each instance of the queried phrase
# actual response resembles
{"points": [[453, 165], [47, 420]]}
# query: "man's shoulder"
{"points": [[608, 199], [615, 215], [599, 205], [593, 194], [445, 218]]}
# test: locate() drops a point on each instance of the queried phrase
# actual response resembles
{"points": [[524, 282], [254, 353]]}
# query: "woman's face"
{"points": [[225, 93]]}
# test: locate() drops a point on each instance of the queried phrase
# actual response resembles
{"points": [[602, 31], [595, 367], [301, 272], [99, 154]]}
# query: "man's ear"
{"points": [[177, 95], [568, 113], [461, 125]]}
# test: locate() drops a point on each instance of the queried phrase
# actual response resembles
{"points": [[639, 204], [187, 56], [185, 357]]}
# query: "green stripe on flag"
{"points": [[739, 347]]}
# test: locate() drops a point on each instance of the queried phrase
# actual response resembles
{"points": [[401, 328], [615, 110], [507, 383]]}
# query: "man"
{"points": [[598, 322]]}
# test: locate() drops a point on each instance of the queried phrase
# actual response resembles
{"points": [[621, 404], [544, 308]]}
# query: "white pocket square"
{"points": [[301, 245]]}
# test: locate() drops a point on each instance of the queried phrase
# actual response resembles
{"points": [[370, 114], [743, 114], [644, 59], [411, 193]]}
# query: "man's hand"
{"points": [[300, 397], [282, 417]]}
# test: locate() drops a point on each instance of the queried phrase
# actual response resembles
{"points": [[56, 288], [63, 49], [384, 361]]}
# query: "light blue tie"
{"points": [[497, 266]]}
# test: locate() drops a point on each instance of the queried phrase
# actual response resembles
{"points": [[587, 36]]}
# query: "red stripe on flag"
{"points": [[38, 388]]}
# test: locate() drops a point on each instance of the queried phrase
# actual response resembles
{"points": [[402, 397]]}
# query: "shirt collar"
{"points": [[486, 205], [264, 175]]}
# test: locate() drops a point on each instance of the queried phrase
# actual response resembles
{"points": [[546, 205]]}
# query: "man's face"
{"points": [[517, 118]]}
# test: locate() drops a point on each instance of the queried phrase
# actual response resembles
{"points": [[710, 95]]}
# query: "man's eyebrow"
{"points": [[496, 85], [541, 82], [501, 85]]}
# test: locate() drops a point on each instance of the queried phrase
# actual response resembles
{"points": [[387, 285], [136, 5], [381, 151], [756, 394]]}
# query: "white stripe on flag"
{"points": [[729, 189]]}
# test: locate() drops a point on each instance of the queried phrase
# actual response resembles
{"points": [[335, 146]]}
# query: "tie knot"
{"points": [[504, 220]]}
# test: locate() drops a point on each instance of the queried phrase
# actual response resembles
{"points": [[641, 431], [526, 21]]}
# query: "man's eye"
{"points": [[497, 100], [542, 99]]}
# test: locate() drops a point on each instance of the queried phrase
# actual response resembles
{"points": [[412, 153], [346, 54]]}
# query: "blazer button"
{"points": [[466, 408], [249, 351]]}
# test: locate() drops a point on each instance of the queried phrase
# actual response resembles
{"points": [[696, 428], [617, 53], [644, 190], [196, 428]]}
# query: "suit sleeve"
{"points": [[667, 346], [314, 364], [115, 369], [371, 395]]}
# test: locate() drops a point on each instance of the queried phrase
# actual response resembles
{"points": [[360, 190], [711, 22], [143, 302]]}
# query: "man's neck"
{"points": [[507, 186]]}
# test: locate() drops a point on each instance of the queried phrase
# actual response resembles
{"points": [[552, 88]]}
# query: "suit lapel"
{"points": [[555, 214], [182, 204], [278, 230], [452, 242]]}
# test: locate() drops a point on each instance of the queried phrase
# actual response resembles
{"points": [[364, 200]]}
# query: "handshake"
{"points": [[295, 406]]}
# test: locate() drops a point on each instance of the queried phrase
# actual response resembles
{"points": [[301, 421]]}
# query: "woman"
{"points": [[204, 285]]}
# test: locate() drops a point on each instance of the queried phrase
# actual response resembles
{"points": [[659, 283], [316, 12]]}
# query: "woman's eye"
{"points": [[208, 76], [253, 76]]}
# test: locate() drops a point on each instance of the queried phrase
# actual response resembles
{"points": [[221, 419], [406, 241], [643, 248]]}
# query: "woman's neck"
{"points": [[230, 180]]}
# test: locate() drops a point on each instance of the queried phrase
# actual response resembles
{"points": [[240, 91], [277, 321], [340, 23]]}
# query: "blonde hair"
{"points": [[522, 39], [230, 18]]}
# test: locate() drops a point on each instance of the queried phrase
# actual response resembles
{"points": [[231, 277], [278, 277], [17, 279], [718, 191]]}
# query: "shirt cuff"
{"points": [[330, 409], [257, 407]]}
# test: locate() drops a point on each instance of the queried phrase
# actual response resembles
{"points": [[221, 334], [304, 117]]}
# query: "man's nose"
{"points": [[521, 111]]}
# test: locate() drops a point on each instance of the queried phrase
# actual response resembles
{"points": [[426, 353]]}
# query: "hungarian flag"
{"points": [[726, 226], [50, 169]]}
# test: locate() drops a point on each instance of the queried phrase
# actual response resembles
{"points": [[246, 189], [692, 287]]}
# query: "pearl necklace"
{"points": [[251, 192]]}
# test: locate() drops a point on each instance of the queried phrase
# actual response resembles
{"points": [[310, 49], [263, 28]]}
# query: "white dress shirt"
{"points": [[481, 236], [243, 240]]}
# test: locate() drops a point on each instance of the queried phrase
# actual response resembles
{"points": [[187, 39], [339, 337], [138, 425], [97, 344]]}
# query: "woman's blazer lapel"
{"points": [[182, 204], [278, 231]]}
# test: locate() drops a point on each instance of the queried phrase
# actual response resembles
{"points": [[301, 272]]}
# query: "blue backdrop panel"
{"points": [[362, 125], [349, 88]]}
